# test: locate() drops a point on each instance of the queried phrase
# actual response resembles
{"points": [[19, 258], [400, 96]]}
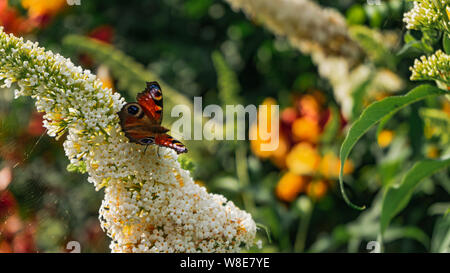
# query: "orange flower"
{"points": [[38, 8], [446, 107], [290, 186], [279, 155], [306, 129], [317, 189], [257, 141], [330, 166], [309, 107], [303, 159], [267, 115], [255, 144], [11, 20], [289, 115], [385, 138]]}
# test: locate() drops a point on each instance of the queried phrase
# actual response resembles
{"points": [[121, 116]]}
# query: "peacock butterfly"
{"points": [[141, 120]]}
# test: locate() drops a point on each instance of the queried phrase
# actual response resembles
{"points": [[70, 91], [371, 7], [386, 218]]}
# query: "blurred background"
{"points": [[204, 48]]}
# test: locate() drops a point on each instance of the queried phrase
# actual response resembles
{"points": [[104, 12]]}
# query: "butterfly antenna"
{"points": [[157, 151]]}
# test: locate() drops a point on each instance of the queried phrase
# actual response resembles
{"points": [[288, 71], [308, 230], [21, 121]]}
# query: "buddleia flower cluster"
{"points": [[150, 204], [306, 24], [320, 32], [431, 16], [427, 15], [434, 67]]}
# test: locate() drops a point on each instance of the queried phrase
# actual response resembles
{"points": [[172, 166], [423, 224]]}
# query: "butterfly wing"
{"points": [[141, 120], [151, 100], [166, 140], [138, 127]]}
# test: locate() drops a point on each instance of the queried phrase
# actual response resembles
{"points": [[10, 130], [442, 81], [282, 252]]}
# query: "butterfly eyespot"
{"points": [[133, 110], [147, 140], [153, 85]]}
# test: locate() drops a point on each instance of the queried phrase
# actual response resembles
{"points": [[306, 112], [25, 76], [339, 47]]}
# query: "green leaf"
{"points": [[383, 123], [373, 114], [412, 43], [356, 15], [196, 9], [358, 96], [397, 197], [186, 163], [227, 81], [437, 123], [266, 229], [227, 183], [332, 127], [440, 241], [80, 167], [376, 13], [408, 38], [372, 41], [446, 43], [415, 233]]}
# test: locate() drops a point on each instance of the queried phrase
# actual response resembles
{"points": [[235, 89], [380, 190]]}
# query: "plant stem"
{"points": [[302, 231], [242, 174]]}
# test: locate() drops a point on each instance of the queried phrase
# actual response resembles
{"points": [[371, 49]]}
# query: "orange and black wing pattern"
{"points": [[151, 100], [166, 140], [141, 120]]}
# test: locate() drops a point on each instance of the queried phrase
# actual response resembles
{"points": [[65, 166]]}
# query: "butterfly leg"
{"points": [[158, 152], [146, 146]]}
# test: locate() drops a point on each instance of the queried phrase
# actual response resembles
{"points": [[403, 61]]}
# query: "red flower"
{"points": [[35, 127], [103, 33], [7, 204]]}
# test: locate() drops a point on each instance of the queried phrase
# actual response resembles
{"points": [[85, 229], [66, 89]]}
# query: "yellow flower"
{"points": [[432, 151], [303, 159], [317, 189], [38, 8], [289, 186], [305, 129], [330, 166], [385, 138]]}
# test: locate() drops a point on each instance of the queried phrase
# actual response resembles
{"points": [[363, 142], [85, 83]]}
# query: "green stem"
{"points": [[380, 241], [244, 179], [344, 194], [302, 231]]}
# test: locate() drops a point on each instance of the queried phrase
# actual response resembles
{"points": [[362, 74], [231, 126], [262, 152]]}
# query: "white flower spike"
{"points": [[151, 204]]}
